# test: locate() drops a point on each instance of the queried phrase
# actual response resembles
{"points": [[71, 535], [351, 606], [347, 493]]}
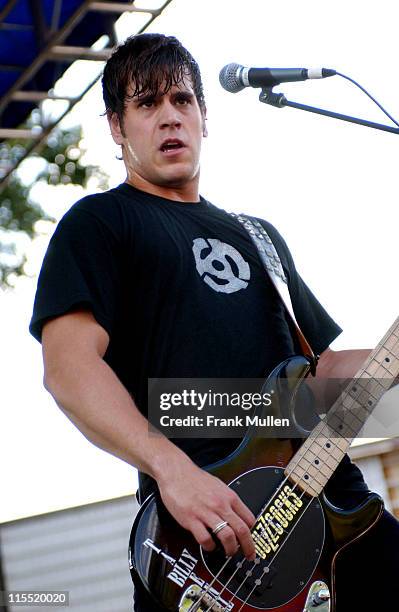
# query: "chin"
{"points": [[179, 179]]}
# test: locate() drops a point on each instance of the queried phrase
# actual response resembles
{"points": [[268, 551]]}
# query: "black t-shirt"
{"points": [[179, 288]]}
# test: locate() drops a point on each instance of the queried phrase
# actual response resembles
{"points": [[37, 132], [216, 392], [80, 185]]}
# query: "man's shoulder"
{"points": [[97, 202], [106, 207]]}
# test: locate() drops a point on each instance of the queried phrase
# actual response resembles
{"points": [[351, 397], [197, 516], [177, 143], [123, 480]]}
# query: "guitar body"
{"points": [[297, 541]]}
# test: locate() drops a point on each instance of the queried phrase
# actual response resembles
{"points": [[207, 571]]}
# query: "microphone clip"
{"points": [[268, 96]]}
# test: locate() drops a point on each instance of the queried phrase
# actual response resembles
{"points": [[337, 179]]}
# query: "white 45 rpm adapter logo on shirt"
{"points": [[215, 267]]}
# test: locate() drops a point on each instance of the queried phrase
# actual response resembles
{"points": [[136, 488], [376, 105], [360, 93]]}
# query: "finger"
{"points": [[203, 537], [243, 535], [226, 536], [228, 540], [243, 512]]}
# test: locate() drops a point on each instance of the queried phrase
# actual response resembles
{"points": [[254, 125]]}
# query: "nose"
{"points": [[169, 115]]}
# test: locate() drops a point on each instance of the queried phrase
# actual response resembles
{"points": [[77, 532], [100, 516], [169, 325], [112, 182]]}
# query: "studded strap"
{"points": [[271, 262]]}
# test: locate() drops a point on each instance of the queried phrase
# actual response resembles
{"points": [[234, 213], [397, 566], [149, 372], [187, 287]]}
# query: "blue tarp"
{"points": [[19, 47]]}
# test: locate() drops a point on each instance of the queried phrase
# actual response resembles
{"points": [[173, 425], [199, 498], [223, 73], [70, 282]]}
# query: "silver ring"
{"points": [[219, 527]]}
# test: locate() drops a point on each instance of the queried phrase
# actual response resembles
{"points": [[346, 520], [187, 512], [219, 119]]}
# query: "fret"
{"points": [[392, 331], [392, 344], [311, 475], [306, 464], [346, 402], [338, 424], [323, 455], [314, 463], [302, 469], [358, 418], [361, 388], [375, 386], [389, 342], [311, 488], [306, 484], [335, 445], [388, 363], [319, 463], [382, 369], [328, 461], [307, 481], [352, 410], [372, 368]]}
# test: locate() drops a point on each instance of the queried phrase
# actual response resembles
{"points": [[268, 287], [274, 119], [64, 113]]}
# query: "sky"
{"points": [[329, 187]]}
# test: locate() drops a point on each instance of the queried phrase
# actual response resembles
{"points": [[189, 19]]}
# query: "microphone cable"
{"points": [[369, 95]]}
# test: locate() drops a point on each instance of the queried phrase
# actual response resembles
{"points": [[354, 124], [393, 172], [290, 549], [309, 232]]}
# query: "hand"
{"points": [[199, 502]]}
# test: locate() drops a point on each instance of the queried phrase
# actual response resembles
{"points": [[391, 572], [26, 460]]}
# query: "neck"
{"points": [[189, 192], [318, 457]]}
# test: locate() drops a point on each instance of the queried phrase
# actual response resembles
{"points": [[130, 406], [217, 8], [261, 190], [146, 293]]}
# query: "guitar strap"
{"points": [[272, 264]]}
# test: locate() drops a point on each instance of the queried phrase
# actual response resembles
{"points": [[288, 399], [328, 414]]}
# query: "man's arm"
{"points": [[93, 398], [334, 369], [341, 364]]}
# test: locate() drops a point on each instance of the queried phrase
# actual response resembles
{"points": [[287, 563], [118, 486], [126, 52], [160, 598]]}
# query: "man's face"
{"points": [[162, 137]]}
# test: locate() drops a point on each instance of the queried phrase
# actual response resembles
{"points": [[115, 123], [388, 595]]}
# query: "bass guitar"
{"points": [[298, 533]]}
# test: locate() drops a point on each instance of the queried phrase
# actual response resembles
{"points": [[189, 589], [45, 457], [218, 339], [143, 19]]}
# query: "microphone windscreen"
{"points": [[229, 78]]}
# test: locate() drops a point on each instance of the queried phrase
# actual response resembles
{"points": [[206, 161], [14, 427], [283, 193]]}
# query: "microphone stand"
{"points": [[268, 96]]}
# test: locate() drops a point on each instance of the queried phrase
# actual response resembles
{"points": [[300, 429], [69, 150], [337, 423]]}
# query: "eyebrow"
{"points": [[150, 97], [144, 98], [183, 92]]}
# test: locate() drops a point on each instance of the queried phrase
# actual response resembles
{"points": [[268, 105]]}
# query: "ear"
{"points": [[204, 126], [115, 127]]}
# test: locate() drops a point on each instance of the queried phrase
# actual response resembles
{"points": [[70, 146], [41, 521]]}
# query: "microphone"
{"points": [[234, 77]]}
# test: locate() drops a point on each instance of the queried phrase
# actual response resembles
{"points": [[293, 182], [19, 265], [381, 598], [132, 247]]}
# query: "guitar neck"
{"points": [[315, 462]]}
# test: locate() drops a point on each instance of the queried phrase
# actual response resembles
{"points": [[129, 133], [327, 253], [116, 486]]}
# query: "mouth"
{"points": [[172, 146]]}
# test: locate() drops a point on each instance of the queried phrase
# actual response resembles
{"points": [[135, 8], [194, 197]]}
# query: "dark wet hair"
{"points": [[147, 63]]}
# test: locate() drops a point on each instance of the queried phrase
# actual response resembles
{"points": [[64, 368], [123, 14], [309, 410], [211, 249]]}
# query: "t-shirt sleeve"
{"points": [[316, 324], [81, 268]]}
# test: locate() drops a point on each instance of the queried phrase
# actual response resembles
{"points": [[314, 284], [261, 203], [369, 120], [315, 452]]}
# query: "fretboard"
{"points": [[314, 463]]}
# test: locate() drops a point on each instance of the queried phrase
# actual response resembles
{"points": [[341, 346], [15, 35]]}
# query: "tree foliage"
{"points": [[61, 164]]}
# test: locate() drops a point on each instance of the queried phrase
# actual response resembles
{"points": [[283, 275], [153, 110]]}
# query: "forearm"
{"points": [[334, 370], [93, 398], [341, 364]]}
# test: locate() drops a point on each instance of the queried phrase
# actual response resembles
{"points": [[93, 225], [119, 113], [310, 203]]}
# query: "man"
{"points": [[121, 298]]}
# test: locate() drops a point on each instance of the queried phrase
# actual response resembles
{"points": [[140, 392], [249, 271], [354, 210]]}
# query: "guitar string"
{"points": [[234, 573], [324, 426], [225, 585], [247, 576], [272, 559], [208, 588], [239, 565], [325, 429], [229, 558], [284, 481], [283, 544], [299, 519], [271, 522], [249, 572]]}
